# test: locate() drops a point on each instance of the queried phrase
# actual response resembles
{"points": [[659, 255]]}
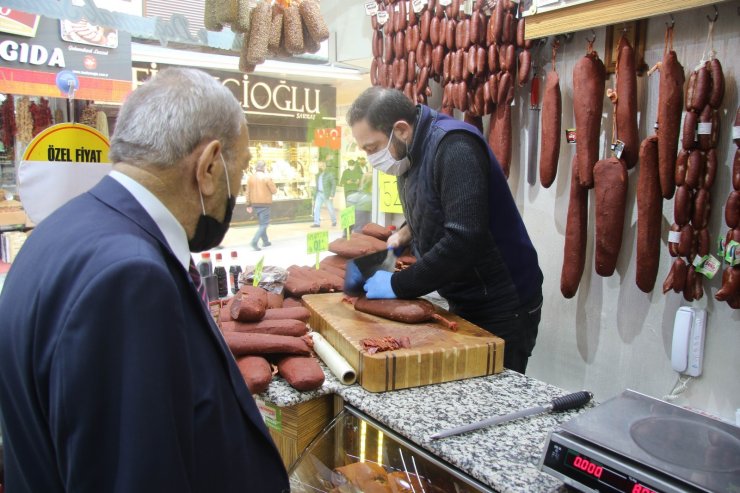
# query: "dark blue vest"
{"points": [[515, 261]]}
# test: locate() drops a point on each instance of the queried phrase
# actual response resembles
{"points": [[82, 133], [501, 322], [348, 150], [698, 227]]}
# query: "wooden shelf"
{"points": [[603, 13]]}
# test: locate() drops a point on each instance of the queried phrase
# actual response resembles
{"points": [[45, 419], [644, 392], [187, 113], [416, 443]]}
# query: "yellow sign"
{"points": [[258, 271], [318, 242], [388, 197], [347, 217], [68, 143]]}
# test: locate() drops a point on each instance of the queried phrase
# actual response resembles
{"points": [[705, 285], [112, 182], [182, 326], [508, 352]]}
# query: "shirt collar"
{"points": [[172, 230]]}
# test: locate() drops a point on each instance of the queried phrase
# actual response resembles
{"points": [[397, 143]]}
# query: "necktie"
{"points": [[193, 270]]}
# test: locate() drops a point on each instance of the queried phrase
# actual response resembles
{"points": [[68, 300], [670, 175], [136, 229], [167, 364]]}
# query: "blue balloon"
{"points": [[67, 81]]}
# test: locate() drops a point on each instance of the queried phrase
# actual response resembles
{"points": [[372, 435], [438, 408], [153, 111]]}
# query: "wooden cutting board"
{"points": [[436, 355]]}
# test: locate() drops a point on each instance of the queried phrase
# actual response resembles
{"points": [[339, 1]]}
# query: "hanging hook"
{"points": [[593, 38], [673, 22], [716, 15]]}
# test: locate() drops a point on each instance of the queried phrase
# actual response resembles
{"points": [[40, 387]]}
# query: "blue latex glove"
{"points": [[353, 280], [379, 286]]}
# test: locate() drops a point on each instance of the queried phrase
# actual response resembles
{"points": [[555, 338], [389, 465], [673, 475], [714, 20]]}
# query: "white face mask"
{"points": [[384, 161]]}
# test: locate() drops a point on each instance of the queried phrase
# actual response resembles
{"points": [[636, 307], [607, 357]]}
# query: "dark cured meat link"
{"points": [[688, 134], [682, 205], [574, 251], [700, 94], [626, 109], [710, 170], [682, 164], [695, 169], [649, 216], [588, 103], [610, 197], [525, 65], [718, 83], [670, 105], [552, 109]]}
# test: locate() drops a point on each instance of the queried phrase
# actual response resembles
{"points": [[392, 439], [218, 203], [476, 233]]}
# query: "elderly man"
{"points": [[113, 375]]}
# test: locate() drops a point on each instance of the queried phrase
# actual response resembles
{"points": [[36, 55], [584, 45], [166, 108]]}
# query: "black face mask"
{"points": [[209, 232]]}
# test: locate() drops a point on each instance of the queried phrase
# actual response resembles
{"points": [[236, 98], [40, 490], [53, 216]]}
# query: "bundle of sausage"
{"points": [[730, 290], [260, 332], [695, 170], [472, 55], [269, 30]]}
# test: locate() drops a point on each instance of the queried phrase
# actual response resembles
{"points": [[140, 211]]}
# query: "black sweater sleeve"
{"points": [[461, 170]]}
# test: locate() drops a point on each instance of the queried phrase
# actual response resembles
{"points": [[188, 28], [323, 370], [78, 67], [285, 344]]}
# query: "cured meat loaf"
{"points": [[626, 104], [243, 343], [574, 251], [286, 327], [249, 304], [649, 215], [301, 372], [407, 311], [256, 371], [610, 196], [589, 77], [670, 105], [552, 109]]}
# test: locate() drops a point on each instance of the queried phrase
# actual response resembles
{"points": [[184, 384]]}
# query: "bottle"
{"points": [[220, 272], [205, 267], [234, 271]]}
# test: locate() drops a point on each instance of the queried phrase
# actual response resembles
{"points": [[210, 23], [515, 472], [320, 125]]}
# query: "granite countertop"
{"points": [[504, 457]]}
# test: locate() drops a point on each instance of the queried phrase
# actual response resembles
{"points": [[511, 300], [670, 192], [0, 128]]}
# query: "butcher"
{"points": [[461, 220]]}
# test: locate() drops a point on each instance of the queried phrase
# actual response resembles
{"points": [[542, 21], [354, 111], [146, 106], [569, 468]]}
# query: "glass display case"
{"points": [[355, 453]]}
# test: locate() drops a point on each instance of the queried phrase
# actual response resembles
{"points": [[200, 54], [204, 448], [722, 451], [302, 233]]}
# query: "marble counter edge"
{"points": [[517, 445]]}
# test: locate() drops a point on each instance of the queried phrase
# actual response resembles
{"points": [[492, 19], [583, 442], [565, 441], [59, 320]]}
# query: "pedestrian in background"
{"points": [[114, 376], [351, 177], [260, 189], [326, 186]]}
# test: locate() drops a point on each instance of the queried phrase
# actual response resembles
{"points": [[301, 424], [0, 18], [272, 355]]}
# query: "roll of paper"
{"points": [[331, 358]]}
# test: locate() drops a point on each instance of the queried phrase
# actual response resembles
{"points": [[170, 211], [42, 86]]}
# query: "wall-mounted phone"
{"points": [[687, 354]]}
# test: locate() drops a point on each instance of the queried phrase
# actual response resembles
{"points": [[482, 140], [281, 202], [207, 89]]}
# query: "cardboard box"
{"points": [[11, 218]]}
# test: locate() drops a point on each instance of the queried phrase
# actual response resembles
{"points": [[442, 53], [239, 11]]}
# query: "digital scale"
{"points": [[634, 443]]}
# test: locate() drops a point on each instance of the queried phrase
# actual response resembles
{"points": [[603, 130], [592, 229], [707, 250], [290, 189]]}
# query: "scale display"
{"points": [[591, 472]]}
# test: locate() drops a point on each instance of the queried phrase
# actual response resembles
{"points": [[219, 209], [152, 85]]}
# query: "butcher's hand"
{"points": [[400, 239], [379, 286], [353, 280]]}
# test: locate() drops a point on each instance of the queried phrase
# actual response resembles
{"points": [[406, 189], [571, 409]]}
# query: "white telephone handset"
{"points": [[687, 352]]}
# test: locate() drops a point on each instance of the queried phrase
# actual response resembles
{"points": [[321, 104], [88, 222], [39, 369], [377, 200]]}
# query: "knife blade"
{"points": [[570, 401], [360, 269], [533, 126]]}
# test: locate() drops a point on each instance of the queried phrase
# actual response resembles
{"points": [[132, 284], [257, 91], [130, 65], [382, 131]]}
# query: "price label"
{"points": [[318, 242], [732, 255], [618, 149], [371, 8], [347, 217], [445, 3], [708, 266], [382, 17], [258, 271], [720, 246], [674, 236], [418, 5], [705, 128], [735, 133], [570, 135], [468, 7]]}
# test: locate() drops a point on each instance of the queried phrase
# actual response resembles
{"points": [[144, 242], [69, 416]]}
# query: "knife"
{"points": [[360, 269], [570, 401], [533, 126]]}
